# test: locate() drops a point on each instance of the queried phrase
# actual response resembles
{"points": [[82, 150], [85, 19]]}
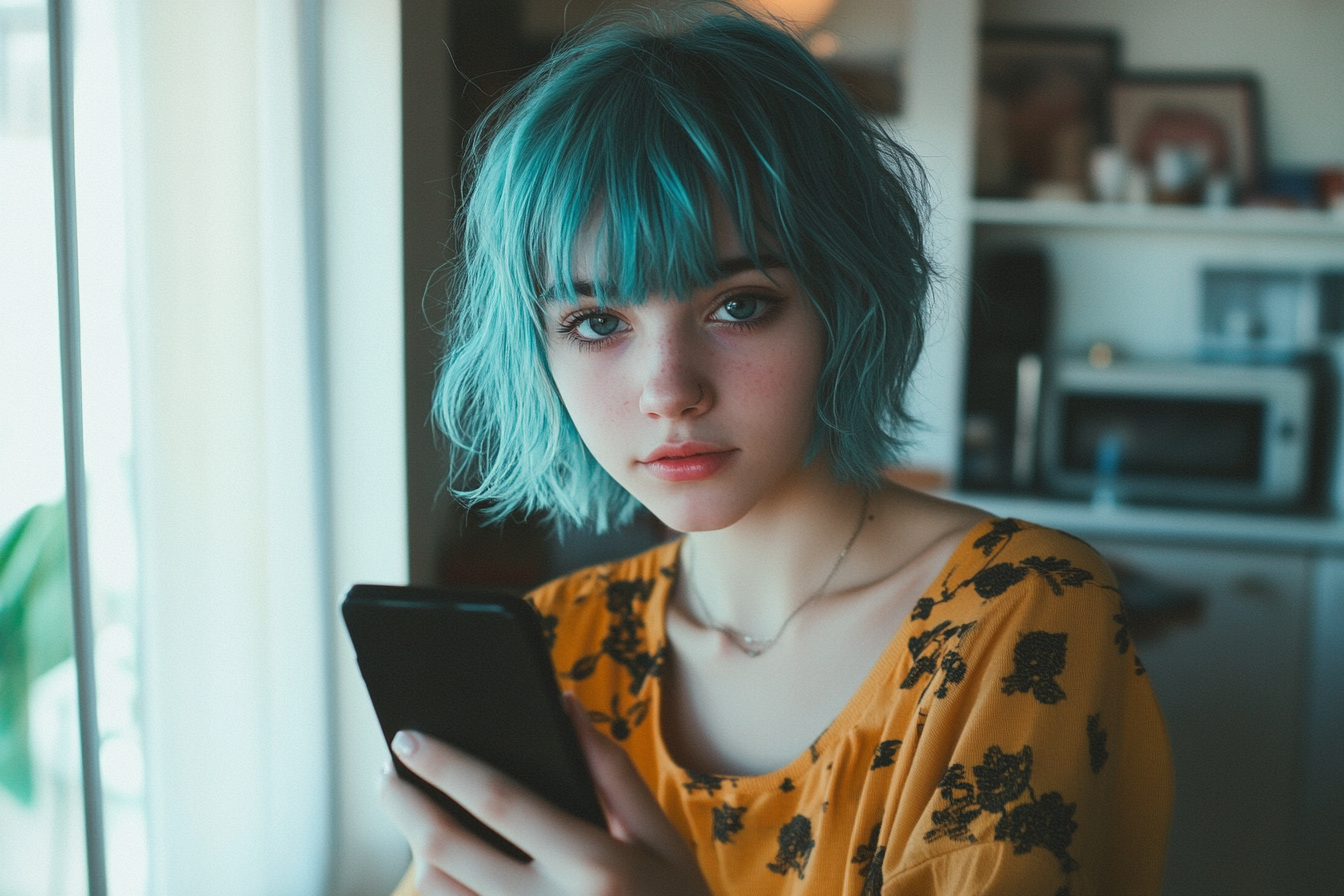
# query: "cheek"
{"points": [[779, 388], [595, 399]]}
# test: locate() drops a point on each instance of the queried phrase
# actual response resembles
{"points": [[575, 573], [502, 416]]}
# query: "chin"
{"points": [[694, 513]]}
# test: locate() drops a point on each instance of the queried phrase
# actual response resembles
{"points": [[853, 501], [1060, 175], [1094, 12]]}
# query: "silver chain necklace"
{"points": [[752, 646]]}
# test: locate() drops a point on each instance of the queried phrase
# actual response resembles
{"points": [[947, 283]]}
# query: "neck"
{"points": [[751, 576]]}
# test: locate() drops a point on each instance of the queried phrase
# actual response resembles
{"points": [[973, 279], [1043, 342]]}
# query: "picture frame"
{"points": [[1217, 115], [875, 85], [1042, 108]]}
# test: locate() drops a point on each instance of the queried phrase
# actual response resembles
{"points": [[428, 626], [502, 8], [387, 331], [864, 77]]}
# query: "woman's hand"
{"points": [[640, 853]]}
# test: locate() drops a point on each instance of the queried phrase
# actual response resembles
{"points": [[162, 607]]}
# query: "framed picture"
{"points": [[875, 84], [1190, 127], [1042, 107]]}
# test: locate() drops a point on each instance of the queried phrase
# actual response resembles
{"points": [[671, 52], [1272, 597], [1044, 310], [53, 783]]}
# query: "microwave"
{"points": [[1223, 435]]}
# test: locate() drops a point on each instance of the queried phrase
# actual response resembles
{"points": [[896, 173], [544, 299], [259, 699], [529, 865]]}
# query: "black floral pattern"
{"points": [[869, 857], [727, 822], [923, 608], [954, 820], [786, 785], [993, 580], [884, 754], [1122, 634], [1122, 639], [795, 847], [1037, 659], [1096, 743], [1047, 823], [620, 722], [1003, 778], [1058, 574], [927, 650], [999, 531], [954, 672], [625, 639], [1001, 783], [710, 784]]}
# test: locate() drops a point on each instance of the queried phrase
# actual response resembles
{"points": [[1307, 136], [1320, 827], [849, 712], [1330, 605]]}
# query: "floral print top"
{"points": [[1007, 741]]}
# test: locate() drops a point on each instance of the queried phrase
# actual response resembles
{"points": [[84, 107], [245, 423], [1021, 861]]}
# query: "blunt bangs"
{"points": [[621, 145]]}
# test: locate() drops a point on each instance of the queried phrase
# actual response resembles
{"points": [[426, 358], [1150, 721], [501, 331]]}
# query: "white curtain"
{"points": [[256, 504]]}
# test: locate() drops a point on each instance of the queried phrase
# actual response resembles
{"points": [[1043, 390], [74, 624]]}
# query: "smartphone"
{"points": [[471, 668]]}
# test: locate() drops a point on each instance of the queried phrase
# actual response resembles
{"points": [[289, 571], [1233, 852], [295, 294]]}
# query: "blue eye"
{"points": [[742, 307], [599, 325]]}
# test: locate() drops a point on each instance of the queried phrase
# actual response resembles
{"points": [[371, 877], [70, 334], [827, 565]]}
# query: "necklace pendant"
{"points": [[752, 647]]}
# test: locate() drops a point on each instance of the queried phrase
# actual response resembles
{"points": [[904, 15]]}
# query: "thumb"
{"points": [[633, 815]]}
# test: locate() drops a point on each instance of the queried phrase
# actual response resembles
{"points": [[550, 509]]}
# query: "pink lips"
{"points": [[687, 461]]}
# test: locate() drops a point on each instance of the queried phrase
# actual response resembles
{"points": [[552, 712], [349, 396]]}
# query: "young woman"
{"points": [[693, 279]]}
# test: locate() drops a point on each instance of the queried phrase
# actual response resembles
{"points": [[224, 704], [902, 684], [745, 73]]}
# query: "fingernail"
{"points": [[405, 743]]}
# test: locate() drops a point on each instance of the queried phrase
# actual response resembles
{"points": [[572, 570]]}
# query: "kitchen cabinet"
{"points": [[1230, 682]]}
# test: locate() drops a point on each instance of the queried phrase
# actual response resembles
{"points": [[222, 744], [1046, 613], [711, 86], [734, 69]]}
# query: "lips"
{"points": [[687, 461]]}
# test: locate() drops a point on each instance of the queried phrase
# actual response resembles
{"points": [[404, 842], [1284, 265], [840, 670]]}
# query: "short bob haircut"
{"points": [[638, 127]]}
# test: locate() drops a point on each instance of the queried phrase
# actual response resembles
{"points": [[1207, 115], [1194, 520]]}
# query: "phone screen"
{"points": [[471, 668]]}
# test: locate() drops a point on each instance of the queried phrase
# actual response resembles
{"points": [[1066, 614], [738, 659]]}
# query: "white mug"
{"points": [[1109, 172]]}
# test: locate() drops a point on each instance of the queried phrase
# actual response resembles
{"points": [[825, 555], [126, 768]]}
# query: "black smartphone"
{"points": [[471, 668]]}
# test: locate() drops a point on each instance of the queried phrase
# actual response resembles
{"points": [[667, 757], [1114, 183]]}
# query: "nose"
{"points": [[675, 385]]}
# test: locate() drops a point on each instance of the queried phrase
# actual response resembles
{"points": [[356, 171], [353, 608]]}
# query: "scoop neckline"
{"points": [[844, 721]]}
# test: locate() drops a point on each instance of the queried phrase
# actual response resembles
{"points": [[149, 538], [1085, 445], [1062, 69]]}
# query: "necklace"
{"points": [[753, 646]]}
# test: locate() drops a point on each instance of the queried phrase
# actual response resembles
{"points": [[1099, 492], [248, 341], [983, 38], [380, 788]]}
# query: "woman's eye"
{"points": [[598, 325], [740, 308]]}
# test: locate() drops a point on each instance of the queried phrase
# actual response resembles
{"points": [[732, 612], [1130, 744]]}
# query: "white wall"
{"points": [[1296, 46], [1140, 290], [935, 41]]}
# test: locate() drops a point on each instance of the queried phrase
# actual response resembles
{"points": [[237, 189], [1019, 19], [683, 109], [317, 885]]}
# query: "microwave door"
{"points": [[1164, 449]]}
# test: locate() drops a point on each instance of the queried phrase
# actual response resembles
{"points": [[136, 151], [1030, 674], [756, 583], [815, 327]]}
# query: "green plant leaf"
{"points": [[36, 629]]}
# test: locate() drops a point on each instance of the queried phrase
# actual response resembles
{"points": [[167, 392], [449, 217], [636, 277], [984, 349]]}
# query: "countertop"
{"points": [[1279, 531]]}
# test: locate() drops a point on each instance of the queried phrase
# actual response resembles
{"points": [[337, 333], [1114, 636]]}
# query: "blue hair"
{"points": [[640, 127]]}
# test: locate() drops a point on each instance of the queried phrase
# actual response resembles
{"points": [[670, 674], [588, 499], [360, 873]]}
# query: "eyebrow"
{"points": [[727, 267]]}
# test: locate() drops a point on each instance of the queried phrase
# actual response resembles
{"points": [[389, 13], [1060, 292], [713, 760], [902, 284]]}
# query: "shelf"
{"points": [[1163, 218], [1323, 535]]}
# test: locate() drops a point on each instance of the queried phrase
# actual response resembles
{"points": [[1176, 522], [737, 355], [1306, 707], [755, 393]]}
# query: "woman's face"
{"points": [[701, 409]]}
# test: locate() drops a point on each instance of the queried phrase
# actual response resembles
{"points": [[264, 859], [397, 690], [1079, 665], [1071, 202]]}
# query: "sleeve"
{"points": [[1043, 764]]}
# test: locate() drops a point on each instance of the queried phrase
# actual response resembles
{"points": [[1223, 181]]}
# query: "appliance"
{"points": [[1224, 435], [1009, 329]]}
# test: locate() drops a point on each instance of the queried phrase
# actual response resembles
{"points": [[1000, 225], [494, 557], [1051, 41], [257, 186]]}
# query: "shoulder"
{"points": [[1040, 729], [1008, 558], [1012, 587]]}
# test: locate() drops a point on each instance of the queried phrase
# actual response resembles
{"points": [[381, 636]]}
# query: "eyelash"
{"points": [[567, 328]]}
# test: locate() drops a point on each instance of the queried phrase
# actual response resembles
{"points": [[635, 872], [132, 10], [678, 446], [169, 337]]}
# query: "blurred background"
{"points": [[1139, 214]]}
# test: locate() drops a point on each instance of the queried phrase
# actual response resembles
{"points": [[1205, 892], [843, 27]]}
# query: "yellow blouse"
{"points": [[1007, 741]]}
